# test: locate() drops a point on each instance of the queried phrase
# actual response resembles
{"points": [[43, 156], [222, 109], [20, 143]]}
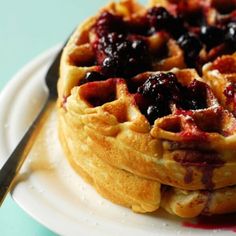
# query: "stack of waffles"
{"points": [[147, 105]]}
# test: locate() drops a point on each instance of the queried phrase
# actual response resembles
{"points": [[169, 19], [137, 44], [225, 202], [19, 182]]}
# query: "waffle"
{"points": [[221, 76], [146, 112]]}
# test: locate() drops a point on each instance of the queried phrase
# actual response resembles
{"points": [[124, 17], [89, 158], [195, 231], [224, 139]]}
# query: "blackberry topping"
{"points": [[118, 53], [195, 96], [230, 35], [153, 112], [138, 45], [191, 46], [107, 41], [125, 58], [227, 7], [110, 66], [160, 85], [92, 76], [195, 19], [122, 50], [211, 36], [161, 91], [159, 18], [177, 27], [106, 23]]}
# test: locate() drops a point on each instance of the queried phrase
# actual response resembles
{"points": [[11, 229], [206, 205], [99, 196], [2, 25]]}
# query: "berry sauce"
{"points": [[202, 160], [229, 91], [225, 65], [216, 222]]}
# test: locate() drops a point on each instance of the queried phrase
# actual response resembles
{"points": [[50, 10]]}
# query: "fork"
{"points": [[13, 164]]}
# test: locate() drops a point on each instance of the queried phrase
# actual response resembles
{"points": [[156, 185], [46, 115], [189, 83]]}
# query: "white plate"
{"points": [[48, 189]]}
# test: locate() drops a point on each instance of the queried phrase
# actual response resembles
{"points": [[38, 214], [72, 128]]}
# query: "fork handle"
{"points": [[13, 164]]}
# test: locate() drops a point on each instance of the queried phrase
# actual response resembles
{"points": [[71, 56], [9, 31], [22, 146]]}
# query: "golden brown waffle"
{"points": [[221, 76], [193, 203], [184, 161]]}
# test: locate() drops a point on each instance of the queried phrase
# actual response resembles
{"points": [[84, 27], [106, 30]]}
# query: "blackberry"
{"points": [[154, 111], [195, 96], [107, 22], [162, 90], [230, 35], [92, 76], [110, 66], [191, 46], [176, 29], [211, 36], [118, 53], [159, 18], [161, 86], [125, 58]]}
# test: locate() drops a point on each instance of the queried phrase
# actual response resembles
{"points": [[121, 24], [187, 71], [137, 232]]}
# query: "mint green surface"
{"points": [[27, 28]]}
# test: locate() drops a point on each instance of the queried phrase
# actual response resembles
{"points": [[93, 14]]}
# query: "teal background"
{"points": [[27, 28]]}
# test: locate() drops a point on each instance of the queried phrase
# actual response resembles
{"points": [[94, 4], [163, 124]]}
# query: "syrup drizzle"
{"points": [[206, 210], [188, 178], [204, 161]]}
